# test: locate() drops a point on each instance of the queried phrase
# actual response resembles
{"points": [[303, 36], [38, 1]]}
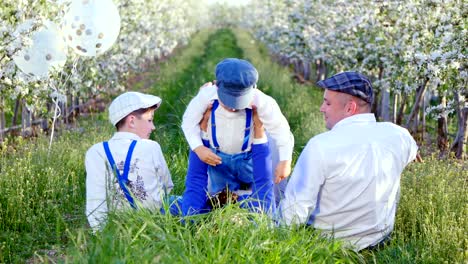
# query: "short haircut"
{"points": [[138, 113], [362, 104]]}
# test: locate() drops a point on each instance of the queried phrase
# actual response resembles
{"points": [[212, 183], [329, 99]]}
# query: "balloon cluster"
{"points": [[89, 28], [46, 52]]}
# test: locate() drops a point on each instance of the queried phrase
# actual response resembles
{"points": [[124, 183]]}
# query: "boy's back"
{"points": [[142, 177]]}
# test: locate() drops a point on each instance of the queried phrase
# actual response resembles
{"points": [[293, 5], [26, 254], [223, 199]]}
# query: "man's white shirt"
{"points": [[346, 181]]}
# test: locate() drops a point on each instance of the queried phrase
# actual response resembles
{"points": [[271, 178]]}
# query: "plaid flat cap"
{"points": [[352, 83]]}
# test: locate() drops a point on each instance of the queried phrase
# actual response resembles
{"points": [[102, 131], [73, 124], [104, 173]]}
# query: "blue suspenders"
{"points": [[248, 120], [122, 179]]}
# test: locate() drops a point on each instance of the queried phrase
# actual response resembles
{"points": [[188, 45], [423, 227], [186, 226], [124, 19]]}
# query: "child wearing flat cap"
{"points": [[226, 145], [129, 170]]}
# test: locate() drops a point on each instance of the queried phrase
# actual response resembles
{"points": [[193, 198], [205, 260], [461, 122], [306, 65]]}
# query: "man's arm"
{"points": [[303, 187]]}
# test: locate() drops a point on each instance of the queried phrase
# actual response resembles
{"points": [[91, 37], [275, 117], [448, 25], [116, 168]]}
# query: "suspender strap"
{"points": [[122, 179], [213, 123], [248, 120]]}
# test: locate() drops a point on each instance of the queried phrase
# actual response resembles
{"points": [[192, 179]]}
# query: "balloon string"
{"points": [[57, 113], [57, 110]]}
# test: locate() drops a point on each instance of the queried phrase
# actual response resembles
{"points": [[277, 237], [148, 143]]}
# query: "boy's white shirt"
{"points": [[148, 170], [230, 134]]}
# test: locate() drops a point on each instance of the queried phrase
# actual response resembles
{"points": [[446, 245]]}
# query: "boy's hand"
{"points": [[282, 171], [206, 155], [208, 84]]}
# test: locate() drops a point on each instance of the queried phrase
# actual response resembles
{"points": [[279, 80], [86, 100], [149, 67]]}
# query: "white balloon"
{"points": [[47, 51], [91, 26]]}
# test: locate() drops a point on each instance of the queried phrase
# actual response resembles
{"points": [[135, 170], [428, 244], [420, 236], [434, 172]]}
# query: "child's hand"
{"points": [[282, 171], [206, 155], [208, 84]]}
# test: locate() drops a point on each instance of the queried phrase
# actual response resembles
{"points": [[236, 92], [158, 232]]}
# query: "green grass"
{"points": [[42, 192], [431, 220], [42, 195]]}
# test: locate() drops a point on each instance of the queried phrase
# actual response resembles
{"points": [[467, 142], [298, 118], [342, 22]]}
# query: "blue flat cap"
{"points": [[350, 82], [236, 80]]}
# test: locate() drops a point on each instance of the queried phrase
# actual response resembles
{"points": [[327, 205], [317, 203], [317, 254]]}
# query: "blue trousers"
{"points": [[235, 170], [195, 195]]}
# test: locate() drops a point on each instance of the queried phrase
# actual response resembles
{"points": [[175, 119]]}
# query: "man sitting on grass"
{"points": [[346, 181]]}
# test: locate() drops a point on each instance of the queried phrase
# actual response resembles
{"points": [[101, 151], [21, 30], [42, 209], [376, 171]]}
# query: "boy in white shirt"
{"points": [[229, 140], [129, 170]]}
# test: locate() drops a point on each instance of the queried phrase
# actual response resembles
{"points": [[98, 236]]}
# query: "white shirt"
{"points": [[149, 176], [347, 180], [230, 126]]}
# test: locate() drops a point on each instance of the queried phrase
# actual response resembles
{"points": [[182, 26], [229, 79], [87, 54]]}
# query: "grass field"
{"points": [[42, 192]]}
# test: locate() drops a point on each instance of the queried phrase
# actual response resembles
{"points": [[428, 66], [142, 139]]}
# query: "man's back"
{"points": [[353, 172]]}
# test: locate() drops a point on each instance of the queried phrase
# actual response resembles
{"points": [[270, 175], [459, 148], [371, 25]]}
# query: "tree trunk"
{"points": [[442, 131], [297, 66], [70, 110], [385, 103], [375, 105], [458, 145], [306, 67], [412, 122], [423, 118], [25, 120], [306, 64], [320, 69], [2, 119], [284, 61], [65, 112], [395, 107], [76, 106], [401, 111], [15, 113]]}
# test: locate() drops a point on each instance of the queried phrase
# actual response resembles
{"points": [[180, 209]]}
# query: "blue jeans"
{"points": [[235, 170]]}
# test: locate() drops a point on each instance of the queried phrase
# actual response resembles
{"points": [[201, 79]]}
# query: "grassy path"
{"points": [[42, 194]]}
